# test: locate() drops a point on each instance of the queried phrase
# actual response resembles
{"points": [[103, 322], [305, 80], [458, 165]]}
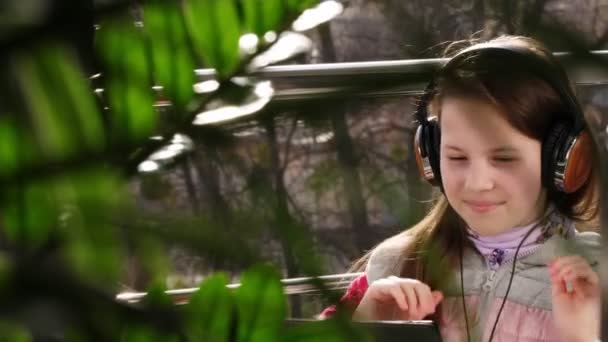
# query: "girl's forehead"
{"points": [[469, 119]]}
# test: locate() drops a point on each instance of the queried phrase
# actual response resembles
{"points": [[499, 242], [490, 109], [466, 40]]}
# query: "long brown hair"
{"points": [[530, 105]]}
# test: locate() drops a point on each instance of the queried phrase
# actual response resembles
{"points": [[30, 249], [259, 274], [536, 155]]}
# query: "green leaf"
{"points": [[156, 297], [49, 125], [301, 5], [210, 311], [123, 50], [12, 332], [64, 116], [274, 13], [262, 16], [9, 151], [31, 214], [85, 115], [261, 305], [215, 30], [173, 65], [329, 330], [144, 334]]}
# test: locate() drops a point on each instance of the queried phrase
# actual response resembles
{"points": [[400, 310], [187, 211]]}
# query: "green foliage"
{"points": [[66, 160], [324, 177], [210, 312], [215, 30], [47, 74], [172, 62], [261, 305], [262, 16], [128, 80]]}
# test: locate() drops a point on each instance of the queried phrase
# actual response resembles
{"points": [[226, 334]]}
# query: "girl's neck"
{"points": [[501, 247]]}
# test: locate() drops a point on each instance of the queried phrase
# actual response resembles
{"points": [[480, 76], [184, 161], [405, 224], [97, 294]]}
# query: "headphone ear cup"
{"points": [[425, 150], [434, 144], [566, 159], [549, 155], [576, 159]]}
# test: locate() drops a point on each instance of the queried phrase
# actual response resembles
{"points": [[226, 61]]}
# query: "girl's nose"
{"points": [[479, 177]]}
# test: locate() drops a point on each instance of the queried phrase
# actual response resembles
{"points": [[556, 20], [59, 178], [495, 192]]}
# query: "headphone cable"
{"points": [[504, 300]]}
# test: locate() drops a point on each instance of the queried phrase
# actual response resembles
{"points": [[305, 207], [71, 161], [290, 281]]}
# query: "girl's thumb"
{"points": [[437, 297]]}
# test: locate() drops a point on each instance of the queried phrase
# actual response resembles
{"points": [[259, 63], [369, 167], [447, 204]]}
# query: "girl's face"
{"points": [[491, 172]]}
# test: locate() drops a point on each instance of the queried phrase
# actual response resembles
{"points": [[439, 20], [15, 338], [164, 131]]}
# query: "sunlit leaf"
{"points": [[254, 98], [86, 119], [318, 15], [215, 30], [273, 13], [173, 64], [48, 113], [261, 305], [122, 48], [263, 15], [300, 5], [64, 116], [288, 46], [211, 310]]}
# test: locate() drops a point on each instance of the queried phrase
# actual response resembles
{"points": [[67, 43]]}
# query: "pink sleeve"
{"points": [[352, 297]]}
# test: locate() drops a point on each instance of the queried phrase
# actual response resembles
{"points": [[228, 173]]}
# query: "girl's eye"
{"points": [[457, 158], [504, 159]]}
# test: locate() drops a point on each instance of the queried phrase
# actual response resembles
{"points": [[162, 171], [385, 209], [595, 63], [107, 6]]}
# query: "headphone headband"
{"points": [[546, 68]]}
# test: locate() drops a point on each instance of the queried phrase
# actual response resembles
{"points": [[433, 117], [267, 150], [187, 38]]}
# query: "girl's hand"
{"points": [[395, 298], [576, 299]]}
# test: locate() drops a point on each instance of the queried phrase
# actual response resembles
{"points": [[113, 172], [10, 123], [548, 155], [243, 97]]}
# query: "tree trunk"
{"points": [[347, 160], [284, 221]]}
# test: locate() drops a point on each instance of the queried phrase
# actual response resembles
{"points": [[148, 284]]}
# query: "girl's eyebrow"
{"points": [[500, 149]]}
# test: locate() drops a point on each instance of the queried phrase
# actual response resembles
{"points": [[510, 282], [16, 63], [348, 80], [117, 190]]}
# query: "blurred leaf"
{"points": [[210, 310], [85, 119], [128, 82], [261, 305], [262, 16], [215, 30], [300, 5], [142, 334], [64, 116], [151, 253], [156, 297], [328, 330], [173, 64], [90, 202], [14, 333], [31, 214], [9, 151]]}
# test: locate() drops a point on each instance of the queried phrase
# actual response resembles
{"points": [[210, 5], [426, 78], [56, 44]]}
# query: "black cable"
{"points": [[466, 319], [464, 306]]}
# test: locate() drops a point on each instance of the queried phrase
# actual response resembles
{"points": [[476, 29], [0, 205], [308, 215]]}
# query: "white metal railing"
{"points": [[291, 286]]}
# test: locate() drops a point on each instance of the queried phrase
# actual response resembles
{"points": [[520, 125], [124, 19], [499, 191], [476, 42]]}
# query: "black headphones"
{"points": [[566, 150]]}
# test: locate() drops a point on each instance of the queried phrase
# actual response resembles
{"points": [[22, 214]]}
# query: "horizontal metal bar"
{"points": [[404, 66], [291, 286]]}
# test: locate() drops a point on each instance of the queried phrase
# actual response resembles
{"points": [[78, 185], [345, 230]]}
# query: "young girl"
{"points": [[498, 257]]}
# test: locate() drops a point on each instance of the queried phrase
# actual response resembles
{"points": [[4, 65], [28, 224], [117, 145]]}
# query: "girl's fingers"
{"points": [[425, 299], [437, 297], [397, 293], [561, 262], [577, 271], [412, 300]]}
